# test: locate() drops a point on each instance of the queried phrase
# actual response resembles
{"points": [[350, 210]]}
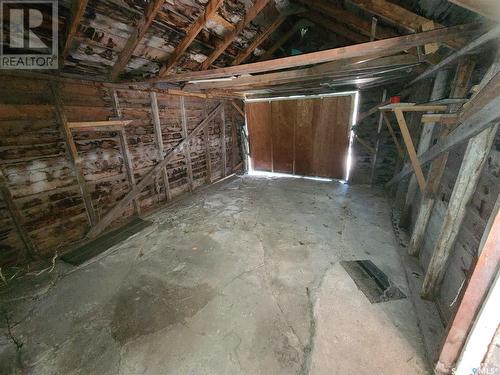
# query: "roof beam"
{"points": [[336, 28], [193, 31], [242, 56], [490, 35], [284, 38], [477, 115], [135, 38], [382, 47], [229, 38], [487, 8], [77, 11], [399, 16], [328, 70], [350, 19]]}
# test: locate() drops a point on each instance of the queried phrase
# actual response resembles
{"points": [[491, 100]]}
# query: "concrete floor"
{"points": [[241, 278]]}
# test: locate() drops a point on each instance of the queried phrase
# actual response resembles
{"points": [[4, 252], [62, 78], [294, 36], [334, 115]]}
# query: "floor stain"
{"points": [[150, 305]]}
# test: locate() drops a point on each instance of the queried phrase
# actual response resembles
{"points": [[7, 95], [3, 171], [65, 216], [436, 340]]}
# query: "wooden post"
{"points": [[234, 141], [17, 219], [187, 152], [410, 148], [475, 156], [159, 141], [223, 136], [380, 119], [72, 153], [459, 89]]}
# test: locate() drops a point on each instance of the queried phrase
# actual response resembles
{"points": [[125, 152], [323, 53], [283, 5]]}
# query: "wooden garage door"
{"points": [[307, 137]]}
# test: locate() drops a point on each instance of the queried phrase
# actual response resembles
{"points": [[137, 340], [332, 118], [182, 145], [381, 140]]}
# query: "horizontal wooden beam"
{"points": [[117, 210], [440, 118], [383, 47], [413, 107], [97, 124]]}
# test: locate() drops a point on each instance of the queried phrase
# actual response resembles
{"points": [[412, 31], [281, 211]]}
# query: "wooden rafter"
{"points": [[148, 178], [336, 28], [242, 56], [477, 115], [135, 38], [282, 40], [193, 31], [229, 38], [348, 18], [383, 47], [72, 152], [487, 8], [77, 11], [490, 35], [401, 17]]}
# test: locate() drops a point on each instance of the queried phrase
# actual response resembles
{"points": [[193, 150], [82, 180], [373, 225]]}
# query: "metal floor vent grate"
{"points": [[375, 284]]}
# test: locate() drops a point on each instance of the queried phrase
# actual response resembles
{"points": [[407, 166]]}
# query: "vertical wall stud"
{"points": [[223, 136], [159, 141], [206, 140], [72, 152], [187, 152], [379, 128], [16, 218]]}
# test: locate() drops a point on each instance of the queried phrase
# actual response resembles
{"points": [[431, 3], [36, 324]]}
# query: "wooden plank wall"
{"points": [[42, 181]]}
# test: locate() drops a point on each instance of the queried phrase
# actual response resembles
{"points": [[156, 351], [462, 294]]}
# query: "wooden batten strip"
{"points": [[72, 152], [393, 135], [116, 211]]}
